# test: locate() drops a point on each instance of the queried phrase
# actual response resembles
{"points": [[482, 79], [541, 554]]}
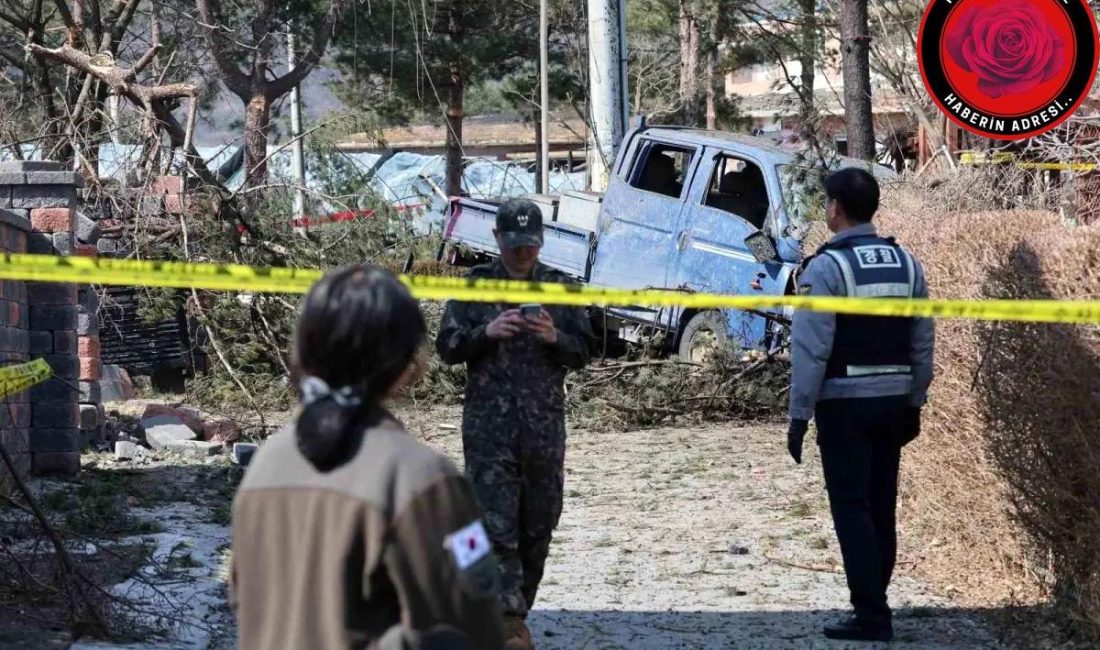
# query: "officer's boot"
{"points": [[516, 634]]}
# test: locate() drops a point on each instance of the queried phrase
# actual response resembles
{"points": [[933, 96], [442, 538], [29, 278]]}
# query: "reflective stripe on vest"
{"points": [[864, 371]]}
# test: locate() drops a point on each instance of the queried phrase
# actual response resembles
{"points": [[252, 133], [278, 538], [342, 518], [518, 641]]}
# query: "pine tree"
{"points": [[405, 59]]}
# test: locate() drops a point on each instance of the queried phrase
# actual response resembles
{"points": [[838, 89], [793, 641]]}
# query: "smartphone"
{"points": [[530, 310]]}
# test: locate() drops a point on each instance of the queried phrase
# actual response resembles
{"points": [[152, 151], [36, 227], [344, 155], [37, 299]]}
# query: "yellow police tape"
{"points": [[20, 377], [235, 277]]}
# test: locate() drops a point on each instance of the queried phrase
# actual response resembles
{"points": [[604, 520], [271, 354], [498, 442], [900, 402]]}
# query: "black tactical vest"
{"points": [[872, 267]]}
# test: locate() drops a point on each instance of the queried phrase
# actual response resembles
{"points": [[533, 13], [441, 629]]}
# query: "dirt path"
{"points": [[702, 538], [671, 538]]}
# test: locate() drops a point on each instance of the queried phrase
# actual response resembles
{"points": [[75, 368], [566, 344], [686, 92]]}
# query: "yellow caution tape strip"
{"points": [[17, 378], [1002, 157], [234, 277]]}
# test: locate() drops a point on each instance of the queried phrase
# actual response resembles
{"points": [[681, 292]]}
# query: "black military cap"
{"points": [[519, 223]]}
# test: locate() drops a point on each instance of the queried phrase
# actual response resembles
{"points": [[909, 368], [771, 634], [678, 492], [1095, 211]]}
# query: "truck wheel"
{"points": [[704, 334]]}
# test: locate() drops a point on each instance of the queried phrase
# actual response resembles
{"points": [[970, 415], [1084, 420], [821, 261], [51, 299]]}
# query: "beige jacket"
{"points": [[334, 560]]}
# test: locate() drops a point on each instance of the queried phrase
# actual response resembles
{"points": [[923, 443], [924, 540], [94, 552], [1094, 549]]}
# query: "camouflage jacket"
{"points": [[521, 373]]}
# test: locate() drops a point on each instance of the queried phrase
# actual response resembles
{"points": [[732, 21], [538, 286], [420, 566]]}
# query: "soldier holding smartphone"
{"points": [[513, 423]]}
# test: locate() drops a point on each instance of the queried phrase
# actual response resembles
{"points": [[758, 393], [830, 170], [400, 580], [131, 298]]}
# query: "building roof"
{"points": [[477, 131], [828, 102]]}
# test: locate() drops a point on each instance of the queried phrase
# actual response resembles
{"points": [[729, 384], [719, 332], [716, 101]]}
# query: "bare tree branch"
{"points": [[121, 24], [236, 81], [147, 58], [67, 17], [309, 60], [121, 80]]}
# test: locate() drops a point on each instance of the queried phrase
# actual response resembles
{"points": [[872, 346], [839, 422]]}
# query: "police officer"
{"points": [[864, 379], [513, 423]]}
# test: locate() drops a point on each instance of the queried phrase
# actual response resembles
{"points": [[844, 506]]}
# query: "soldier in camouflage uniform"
{"points": [[513, 424]]}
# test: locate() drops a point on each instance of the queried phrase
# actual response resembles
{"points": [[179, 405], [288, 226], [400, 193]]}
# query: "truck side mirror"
{"points": [[762, 247]]}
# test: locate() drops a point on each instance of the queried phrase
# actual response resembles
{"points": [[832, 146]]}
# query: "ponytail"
{"points": [[330, 422], [358, 331]]}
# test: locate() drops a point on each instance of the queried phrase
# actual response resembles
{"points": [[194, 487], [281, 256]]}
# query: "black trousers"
{"points": [[860, 442]]}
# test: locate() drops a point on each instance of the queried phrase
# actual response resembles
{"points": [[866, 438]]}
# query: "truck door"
{"points": [[730, 204], [640, 219]]}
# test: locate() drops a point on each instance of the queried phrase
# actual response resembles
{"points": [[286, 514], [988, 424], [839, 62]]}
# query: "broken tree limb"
{"points": [[123, 81], [638, 364], [70, 575]]}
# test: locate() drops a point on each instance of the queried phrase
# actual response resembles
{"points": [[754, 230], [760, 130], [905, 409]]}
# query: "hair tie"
{"points": [[315, 388]]}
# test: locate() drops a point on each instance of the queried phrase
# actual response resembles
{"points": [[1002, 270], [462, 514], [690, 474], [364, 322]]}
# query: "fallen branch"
{"points": [[70, 575], [644, 409], [799, 565], [637, 364]]}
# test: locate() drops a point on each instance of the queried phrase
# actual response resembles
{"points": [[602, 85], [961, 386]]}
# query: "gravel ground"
{"points": [[702, 538], [671, 538]]}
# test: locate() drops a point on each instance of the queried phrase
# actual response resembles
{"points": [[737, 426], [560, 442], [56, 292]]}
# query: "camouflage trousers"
{"points": [[518, 476]]}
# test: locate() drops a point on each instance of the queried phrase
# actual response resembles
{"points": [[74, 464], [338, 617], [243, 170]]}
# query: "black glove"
{"points": [[795, 434], [911, 426]]}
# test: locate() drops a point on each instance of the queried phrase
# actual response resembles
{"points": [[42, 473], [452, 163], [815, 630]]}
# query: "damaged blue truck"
{"points": [[686, 210]]}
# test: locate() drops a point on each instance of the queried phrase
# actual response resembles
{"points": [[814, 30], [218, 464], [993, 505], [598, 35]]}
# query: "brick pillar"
{"points": [[45, 195], [15, 344]]}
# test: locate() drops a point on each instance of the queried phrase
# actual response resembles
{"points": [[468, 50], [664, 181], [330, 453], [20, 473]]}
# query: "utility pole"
{"points": [[544, 100], [607, 87], [297, 160]]}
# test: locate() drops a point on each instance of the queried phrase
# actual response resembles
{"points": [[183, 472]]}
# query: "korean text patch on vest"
{"points": [[472, 554], [874, 270], [877, 257]]}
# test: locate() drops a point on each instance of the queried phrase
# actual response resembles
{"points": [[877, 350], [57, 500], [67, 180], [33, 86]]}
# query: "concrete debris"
{"points": [[126, 450], [194, 448], [163, 430], [190, 417]]}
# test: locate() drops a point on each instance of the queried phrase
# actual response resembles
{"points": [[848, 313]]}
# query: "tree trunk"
{"points": [[689, 63], [257, 123], [807, 58], [857, 78], [454, 111], [712, 101], [454, 135]]}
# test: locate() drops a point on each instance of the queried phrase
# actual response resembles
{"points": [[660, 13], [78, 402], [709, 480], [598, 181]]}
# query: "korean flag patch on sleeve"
{"points": [[472, 554], [468, 545]]}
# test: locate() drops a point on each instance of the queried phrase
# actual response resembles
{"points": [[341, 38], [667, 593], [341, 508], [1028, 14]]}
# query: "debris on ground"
{"points": [[161, 431]]}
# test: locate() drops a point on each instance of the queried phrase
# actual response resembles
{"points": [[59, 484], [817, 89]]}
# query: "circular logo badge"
{"points": [[1008, 69]]}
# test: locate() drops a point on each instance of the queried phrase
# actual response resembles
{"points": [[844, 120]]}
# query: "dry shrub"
{"points": [[1002, 491], [619, 396]]}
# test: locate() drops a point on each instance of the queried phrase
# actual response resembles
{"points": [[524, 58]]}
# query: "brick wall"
{"points": [[16, 342], [47, 427], [108, 225]]}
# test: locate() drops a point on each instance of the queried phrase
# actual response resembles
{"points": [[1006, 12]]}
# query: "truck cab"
{"points": [[686, 210]]}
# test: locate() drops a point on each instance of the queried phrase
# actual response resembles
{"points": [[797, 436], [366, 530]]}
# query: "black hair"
{"points": [[358, 331], [856, 190]]}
